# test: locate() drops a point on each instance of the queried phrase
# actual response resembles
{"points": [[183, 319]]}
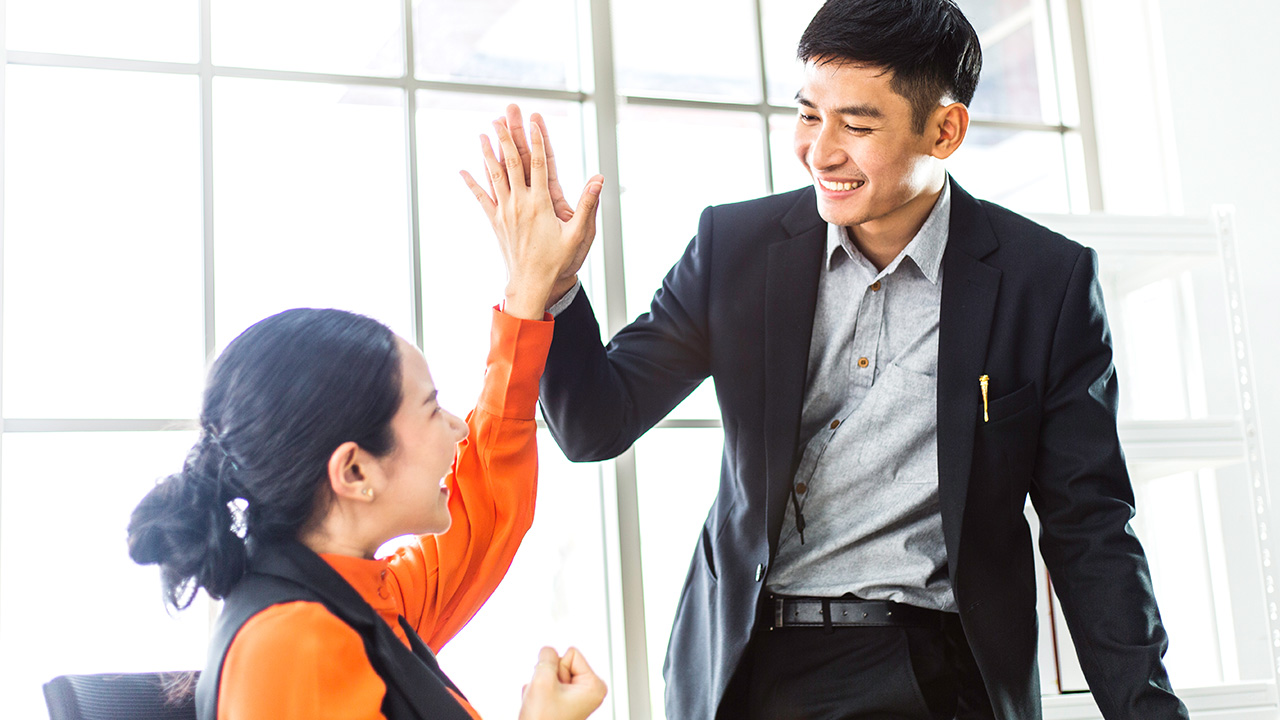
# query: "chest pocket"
{"points": [[1005, 446], [902, 444]]}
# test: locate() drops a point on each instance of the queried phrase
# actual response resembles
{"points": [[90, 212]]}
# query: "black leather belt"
{"points": [[836, 612]]}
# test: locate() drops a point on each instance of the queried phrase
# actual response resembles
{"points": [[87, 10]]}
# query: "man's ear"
{"points": [[347, 476], [950, 123]]}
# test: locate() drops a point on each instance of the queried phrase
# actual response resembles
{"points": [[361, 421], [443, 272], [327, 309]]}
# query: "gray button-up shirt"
{"points": [[867, 483]]}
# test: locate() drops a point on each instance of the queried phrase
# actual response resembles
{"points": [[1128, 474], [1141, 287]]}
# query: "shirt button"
{"points": [[835, 424], [801, 488], [759, 572], [875, 286], [863, 362]]}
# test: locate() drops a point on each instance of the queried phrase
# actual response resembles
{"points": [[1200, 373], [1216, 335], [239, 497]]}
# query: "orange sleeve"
{"points": [[297, 660], [442, 580]]}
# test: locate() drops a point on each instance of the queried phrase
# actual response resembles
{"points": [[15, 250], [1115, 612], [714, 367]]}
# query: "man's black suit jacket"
{"points": [[1020, 304]]}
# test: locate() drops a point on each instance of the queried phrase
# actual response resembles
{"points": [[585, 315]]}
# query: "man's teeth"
{"points": [[841, 186]]}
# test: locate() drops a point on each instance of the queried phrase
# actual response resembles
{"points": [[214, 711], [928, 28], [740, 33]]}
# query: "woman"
{"points": [[321, 440]]}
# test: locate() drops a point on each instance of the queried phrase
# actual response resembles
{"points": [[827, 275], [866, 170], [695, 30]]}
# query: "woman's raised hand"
{"points": [[544, 242], [562, 688]]}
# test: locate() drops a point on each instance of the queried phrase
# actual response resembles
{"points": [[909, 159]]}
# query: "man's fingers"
{"points": [[515, 124], [496, 169], [486, 202], [511, 156]]}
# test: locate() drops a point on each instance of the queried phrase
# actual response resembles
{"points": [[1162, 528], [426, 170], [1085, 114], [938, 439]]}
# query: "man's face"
{"points": [[854, 134]]}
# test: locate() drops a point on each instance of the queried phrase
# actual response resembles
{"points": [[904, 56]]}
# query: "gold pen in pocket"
{"points": [[983, 382]]}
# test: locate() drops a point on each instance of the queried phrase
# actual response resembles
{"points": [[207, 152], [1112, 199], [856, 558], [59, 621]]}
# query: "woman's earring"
{"points": [[367, 492]]}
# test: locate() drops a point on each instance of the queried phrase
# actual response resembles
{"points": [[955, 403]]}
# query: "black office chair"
{"points": [[134, 696]]}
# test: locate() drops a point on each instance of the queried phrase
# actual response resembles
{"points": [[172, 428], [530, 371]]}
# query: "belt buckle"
{"points": [[777, 613]]}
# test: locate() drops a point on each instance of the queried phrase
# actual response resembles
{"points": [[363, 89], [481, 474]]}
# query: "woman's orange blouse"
{"points": [[297, 660]]}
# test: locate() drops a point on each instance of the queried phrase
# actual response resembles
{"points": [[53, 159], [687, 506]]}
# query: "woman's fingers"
{"points": [[486, 202], [515, 123], [497, 171], [538, 165], [558, 201], [510, 157], [584, 217]]}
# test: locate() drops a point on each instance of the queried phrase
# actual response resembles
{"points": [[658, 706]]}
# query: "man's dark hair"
{"points": [[928, 45]]}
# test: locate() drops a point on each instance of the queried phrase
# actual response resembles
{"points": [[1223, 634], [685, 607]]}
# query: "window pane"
{"points": [[784, 22], [1173, 353], [673, 48], [310, 201], [102, 273], [1021, 170], [489, 42], [325, 36], [663, 194], [72, 601], [1017, 61], [788, 172], [462, 271], [678, 474], [554, 594], [136, 29]]}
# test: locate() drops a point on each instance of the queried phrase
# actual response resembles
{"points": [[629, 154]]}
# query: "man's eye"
{"points": [[808, 118], [858, 130]]}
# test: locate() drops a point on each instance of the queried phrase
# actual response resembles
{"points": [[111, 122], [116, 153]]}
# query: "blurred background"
{"points": [[175, 170]]}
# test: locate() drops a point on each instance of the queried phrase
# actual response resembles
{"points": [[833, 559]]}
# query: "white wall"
{"points": [[1223, 58], [1188, 114]]}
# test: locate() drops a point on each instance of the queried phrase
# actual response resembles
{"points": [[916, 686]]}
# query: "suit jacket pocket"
{"points": [[1011, 404], [709, 554]]}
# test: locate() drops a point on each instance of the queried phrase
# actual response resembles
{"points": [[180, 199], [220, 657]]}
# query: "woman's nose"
{"points": [[459, 427]]}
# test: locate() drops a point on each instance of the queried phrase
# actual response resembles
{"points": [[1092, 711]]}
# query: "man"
{"points": [[898, 366]]}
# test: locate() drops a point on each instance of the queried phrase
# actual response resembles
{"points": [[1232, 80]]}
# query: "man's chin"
{"points": [[835, 215]]}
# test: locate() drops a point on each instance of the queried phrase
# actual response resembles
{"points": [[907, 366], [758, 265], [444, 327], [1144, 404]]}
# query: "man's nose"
{"points": [[826, 151]]}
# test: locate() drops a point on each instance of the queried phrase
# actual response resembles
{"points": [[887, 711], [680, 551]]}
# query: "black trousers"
{"points": [[858, 673]]}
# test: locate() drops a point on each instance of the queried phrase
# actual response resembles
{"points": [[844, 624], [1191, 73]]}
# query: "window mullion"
{"points": [[602, 105]]}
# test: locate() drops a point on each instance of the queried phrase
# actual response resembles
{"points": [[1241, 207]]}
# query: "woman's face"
{"points": [[414, 494]]}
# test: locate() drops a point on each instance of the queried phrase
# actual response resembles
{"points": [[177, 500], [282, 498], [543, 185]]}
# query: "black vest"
{"points": [[287, 572]]}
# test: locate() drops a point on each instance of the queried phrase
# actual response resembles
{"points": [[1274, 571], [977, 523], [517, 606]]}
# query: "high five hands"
{"points": [[544, 241]]}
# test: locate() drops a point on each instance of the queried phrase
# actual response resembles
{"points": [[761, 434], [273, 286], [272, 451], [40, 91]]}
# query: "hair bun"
{"points": [[181, 526]]}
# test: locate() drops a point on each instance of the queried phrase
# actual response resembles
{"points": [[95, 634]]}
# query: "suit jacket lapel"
{"points": [[790, 297], [969, 291]]}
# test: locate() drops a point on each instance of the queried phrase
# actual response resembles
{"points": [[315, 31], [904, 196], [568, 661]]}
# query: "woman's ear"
{"points": [[348, 477], [951, 123]]}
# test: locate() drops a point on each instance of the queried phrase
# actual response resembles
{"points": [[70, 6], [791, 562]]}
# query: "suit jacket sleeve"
{"points": [[1083, 496], [597, 400]]}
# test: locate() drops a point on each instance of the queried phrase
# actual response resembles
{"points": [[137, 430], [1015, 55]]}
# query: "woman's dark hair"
{"points": [[279, 400], [928, 45]]}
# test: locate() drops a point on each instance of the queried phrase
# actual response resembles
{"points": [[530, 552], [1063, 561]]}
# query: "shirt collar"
{"points": [[925, 249]]}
